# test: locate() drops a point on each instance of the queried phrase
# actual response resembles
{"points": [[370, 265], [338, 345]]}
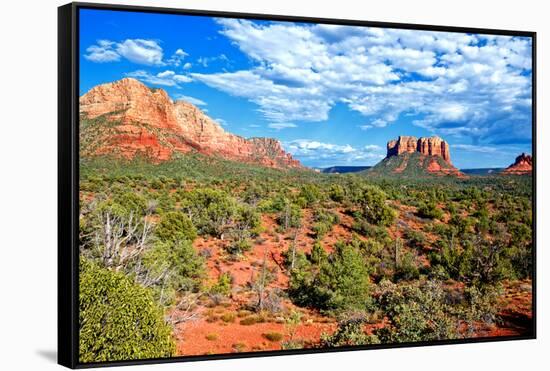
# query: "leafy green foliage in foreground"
{"points": [[119, 319]]}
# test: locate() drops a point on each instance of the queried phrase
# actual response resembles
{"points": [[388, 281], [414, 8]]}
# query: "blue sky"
{"points": [[333, 95]]}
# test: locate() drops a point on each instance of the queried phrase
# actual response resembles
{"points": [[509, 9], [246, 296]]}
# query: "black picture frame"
{"points": [[68, 178]]}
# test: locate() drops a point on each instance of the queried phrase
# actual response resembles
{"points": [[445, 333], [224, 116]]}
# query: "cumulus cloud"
{"points": [[165, 78], [453, 84], [329, 154], [102, 52], [139, 51], [177, 58]]}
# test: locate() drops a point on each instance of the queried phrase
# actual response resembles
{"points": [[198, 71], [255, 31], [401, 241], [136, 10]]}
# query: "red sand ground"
{"points": [[208, 333]]}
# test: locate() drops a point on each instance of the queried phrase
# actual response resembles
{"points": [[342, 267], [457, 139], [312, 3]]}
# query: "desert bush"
{"points": [[212, 337], [339, 282], [337, 193], [228, 317], [415, 239], [223, 285], [119, 319], [416, 312], [310, 193], [273, 336], [210, 210], [169, 267], [366, 229], [349, 332], [290, 216], [429, 210], [132, 202], [374, 210], [323, 222], [175, 226]]}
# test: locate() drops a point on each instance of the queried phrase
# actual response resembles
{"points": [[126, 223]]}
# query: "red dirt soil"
{"points": [[208, 333]]}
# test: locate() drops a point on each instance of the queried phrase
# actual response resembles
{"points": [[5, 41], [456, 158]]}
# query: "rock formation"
{"points": [[433, 146], [147, 121], [411, 156], [522, 165]]}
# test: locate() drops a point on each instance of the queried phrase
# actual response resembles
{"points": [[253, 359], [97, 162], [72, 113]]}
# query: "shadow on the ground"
{"points": [[50, 355]]}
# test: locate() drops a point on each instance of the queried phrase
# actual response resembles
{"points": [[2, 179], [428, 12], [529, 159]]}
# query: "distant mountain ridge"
{"points": [[125, 118], [343, 169]]}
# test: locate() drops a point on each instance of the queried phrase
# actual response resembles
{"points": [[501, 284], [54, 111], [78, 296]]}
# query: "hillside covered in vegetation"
{"points": [[214, 256]]}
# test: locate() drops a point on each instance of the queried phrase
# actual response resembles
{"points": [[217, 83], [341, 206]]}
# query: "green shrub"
{"points": [[223, 285], [132, 202], [228, 317], [179, 258], [415, 239], [119, 319], [335, 283], [212, 337], [175, 226], [416, 312], [290, 216], [429, 210], [337, 193], [273, 336], [372, 201], [349, 332], [210, 210], [310, 193]]}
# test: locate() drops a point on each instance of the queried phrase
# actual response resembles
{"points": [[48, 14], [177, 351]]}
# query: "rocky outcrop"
{"points": [[147, 121], [523, 165], [412, 156], [433, 146]]}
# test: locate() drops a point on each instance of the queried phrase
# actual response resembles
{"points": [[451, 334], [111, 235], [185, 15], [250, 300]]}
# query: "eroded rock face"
{"points": [[522, 165], [434, 156], [433, 146], [147, 121]]}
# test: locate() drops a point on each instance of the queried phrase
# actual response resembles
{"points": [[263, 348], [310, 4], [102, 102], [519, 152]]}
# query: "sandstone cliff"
{"points": [[433, 146], [411, 156], [146, 121], [522, 165]]}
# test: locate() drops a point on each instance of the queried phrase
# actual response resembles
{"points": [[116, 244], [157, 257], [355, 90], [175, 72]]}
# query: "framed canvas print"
{"points": [[239, 185]]}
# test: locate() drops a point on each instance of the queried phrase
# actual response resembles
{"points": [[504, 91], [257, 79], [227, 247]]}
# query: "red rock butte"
{"points": [[522, 165], [433, 146], [435, 156], [147, 121]]}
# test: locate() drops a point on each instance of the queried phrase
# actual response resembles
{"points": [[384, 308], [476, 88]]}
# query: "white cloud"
{"points": [[205, 61], [474, 148], [177, 58], [187, 66], [102, 52], [192, 100], [471, 85], [165, 78], [328, 154], [141, 51], [281, 125]]}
